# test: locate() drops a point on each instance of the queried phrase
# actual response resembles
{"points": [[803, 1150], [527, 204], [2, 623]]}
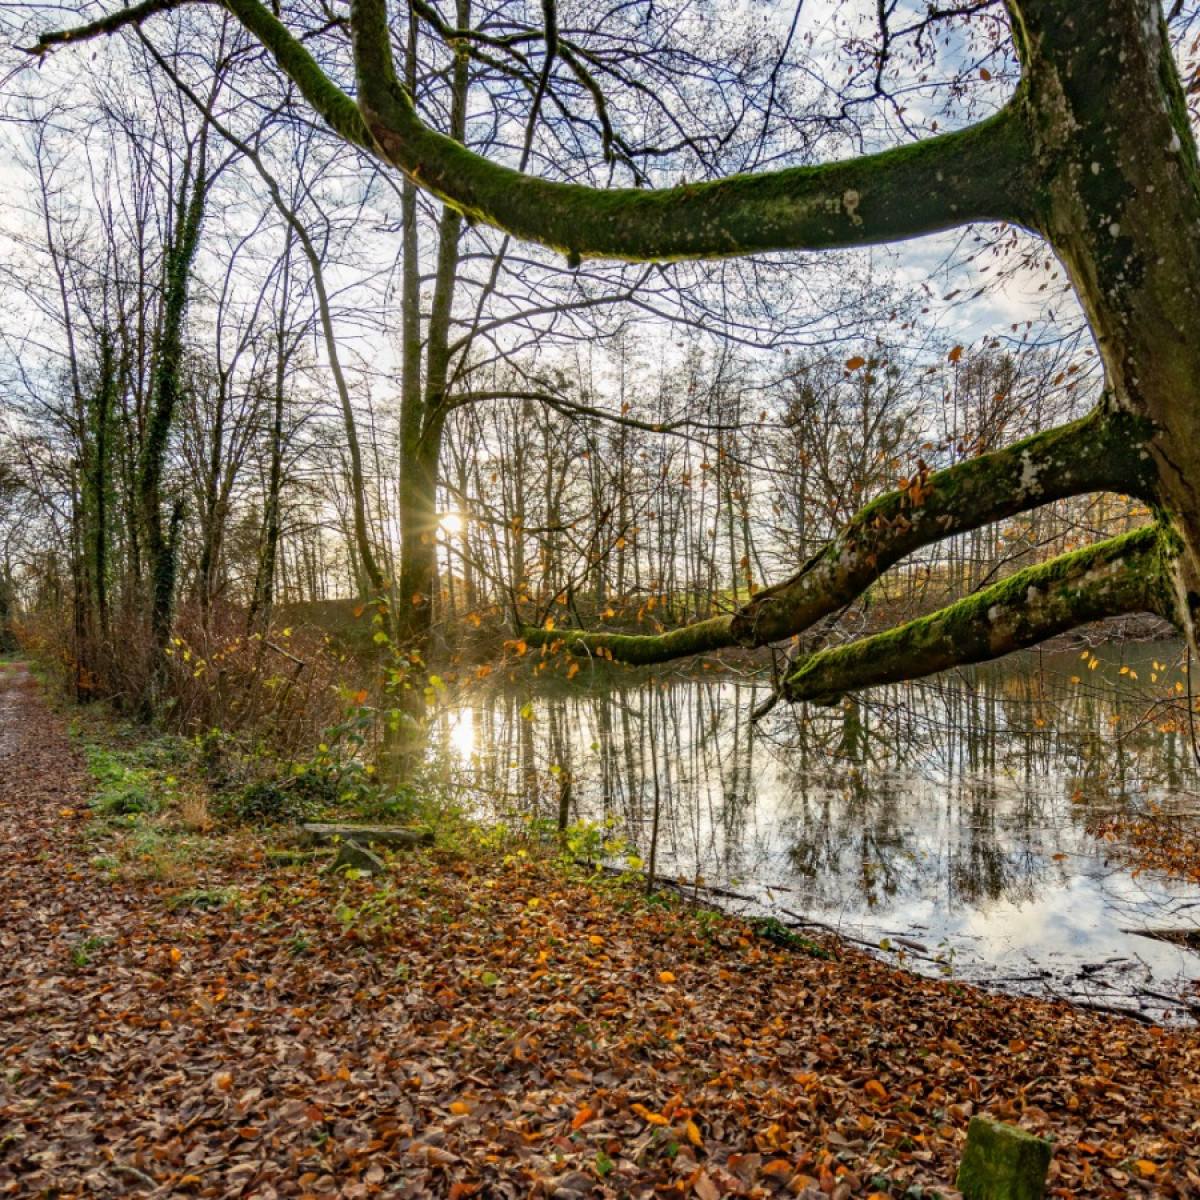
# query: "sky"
{"points": [[964, 305]]}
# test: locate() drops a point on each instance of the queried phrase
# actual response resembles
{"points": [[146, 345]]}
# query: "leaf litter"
{"points": [[470, 1026]]}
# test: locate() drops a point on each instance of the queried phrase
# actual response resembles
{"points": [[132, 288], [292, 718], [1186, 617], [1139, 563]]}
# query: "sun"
{"points": [[451, 523]]}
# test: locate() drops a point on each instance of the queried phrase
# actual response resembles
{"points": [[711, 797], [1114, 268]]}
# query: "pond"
{"points": [[944, 823]]}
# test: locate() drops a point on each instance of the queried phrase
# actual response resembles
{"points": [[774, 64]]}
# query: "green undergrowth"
{"points": [[163, 806], [173, 811], [149, 806], [778, 934]]}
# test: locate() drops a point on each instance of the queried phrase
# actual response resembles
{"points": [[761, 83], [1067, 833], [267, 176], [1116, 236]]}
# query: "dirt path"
{"points": [[492, 1030]]}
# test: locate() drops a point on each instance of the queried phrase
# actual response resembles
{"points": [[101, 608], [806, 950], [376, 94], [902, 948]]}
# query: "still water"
{"points": [[944, 822]]}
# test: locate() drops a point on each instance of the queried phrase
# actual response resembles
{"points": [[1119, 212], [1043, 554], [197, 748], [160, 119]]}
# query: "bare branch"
{"points": [[311, 253], [573, 408]]}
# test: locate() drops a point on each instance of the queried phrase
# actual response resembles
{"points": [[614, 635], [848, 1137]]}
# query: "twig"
{"points": [[286, 654], [134, 1173], [1187, 670], [1134, 1014]]}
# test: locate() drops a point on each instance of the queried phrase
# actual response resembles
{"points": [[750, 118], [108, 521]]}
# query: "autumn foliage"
{"points": [[482, 1025]]}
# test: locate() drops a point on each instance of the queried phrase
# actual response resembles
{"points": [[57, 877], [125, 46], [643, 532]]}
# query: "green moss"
{"points": [[778, 934], [1002, 1162], [1177, 106], [965, 632], [638, 649]]}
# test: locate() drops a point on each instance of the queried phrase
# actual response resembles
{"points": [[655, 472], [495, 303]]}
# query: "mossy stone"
{"points": [[357, 858], [1002, 1162]]}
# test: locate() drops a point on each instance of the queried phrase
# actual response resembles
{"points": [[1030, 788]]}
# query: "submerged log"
{"points": [[1188, 938]]}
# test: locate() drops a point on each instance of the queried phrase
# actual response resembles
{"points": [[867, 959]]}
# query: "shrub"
{"points": [[277, 801]]}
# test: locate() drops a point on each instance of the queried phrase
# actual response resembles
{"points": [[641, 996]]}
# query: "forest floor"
{"points": [[478, 1024]]}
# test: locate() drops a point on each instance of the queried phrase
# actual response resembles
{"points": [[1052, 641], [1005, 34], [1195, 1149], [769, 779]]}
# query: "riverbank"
{"points": [[479, 1023]]}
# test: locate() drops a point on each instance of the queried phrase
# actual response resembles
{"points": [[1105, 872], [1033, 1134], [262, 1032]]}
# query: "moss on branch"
{"points": [[638, 649], [980, 173], [1122, 575], [1104, 451]]}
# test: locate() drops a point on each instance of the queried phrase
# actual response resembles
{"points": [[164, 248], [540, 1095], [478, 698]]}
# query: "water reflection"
{"points": [[950, 813]]}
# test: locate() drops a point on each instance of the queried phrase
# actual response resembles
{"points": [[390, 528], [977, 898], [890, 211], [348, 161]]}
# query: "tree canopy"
{"points": [[1093, 152]]}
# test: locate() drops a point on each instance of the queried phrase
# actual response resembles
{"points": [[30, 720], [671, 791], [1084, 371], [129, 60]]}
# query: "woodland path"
{"points": [[489, 1028]]}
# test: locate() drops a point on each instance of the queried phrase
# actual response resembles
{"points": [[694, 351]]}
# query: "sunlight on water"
{"points": [[460, 736]]}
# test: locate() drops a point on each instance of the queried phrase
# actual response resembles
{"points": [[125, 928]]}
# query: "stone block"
{"points": [[1002, 1162]]}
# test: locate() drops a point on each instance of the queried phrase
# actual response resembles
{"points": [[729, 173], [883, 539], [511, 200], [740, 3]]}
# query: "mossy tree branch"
{"points": [[636, 649], [984, 172], [1104, 451], [1122, 575], [102, 27]]}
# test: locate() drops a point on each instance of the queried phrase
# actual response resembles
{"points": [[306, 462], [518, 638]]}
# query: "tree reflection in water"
{"points": [[954, 807]]}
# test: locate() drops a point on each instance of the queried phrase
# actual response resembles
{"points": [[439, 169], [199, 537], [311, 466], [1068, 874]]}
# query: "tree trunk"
{"points": [[1120, 202], [159, 532], [423, 411], [263, 597]]}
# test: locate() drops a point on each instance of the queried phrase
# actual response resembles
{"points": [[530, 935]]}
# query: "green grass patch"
{"points": [[124, 789], [203, 898], [83, 952]]}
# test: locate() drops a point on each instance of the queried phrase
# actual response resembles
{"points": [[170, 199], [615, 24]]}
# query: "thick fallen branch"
{"points": [[1103, 451], [1122, 575]]}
